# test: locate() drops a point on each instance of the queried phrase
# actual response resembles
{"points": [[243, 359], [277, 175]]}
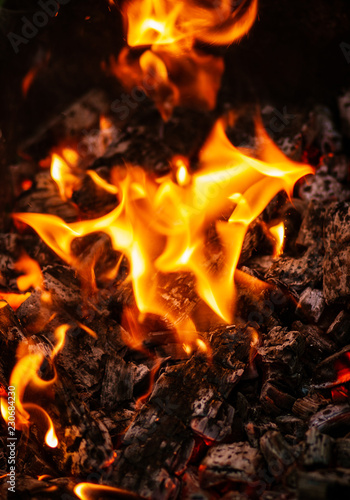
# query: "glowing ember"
{"points": [[277, 233], [26, 184], [161, 225], [24, 375], [105, 124], [342, 367]]}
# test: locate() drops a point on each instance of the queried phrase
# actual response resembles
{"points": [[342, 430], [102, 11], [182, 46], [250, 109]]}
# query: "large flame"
{"points": [[173, 71], [161, 225], [165, 22]]}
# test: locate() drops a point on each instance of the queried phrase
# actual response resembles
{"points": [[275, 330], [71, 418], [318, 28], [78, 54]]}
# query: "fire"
{"points": [[50, 437], [31, 277], [90, 491], [63, 172], [101, 182], [25, 375], [277, 233], [161, 225], [14, 299], [165, 22], [170, 30], [342, 367]]}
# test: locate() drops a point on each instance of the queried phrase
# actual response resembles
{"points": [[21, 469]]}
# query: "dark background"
{"points": [[292, 55]]}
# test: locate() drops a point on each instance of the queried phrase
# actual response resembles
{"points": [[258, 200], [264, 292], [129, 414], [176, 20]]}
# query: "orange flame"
{"points": [[25, 374], [14, 299], [161, 225], [165, 22], [105, 123], [64, 173], [101, 182], [277, 233], [90, 491], [170, 29], [32, 276], [28, 80]]}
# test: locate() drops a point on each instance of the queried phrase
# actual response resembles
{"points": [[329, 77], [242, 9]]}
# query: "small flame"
{"points": [[44, 476], [102, 183], [90, 491], [182, 175], [187, 348], [63, 172], [51, 438], [4, 408], [88, 330], [31, 277], [25, 374], [202, 345], [277, 233]]}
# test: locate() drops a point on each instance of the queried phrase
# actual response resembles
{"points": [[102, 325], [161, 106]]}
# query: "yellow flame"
{"points": [[174, 71], [165, 22], [90, 491], [50, 437], [161, 226], [25, 374], [277, 233], [63, 172], [88, 330], [4, 408], [187, 348], [102, 183]]}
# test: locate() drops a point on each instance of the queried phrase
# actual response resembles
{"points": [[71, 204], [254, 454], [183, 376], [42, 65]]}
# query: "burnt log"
{"points": [[278, 454], [318, 450], [236, 462], [188, 399]]}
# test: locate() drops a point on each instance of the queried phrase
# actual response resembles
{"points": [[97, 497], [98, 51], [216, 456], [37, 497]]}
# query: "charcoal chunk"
{"points": [[336, 267]]}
